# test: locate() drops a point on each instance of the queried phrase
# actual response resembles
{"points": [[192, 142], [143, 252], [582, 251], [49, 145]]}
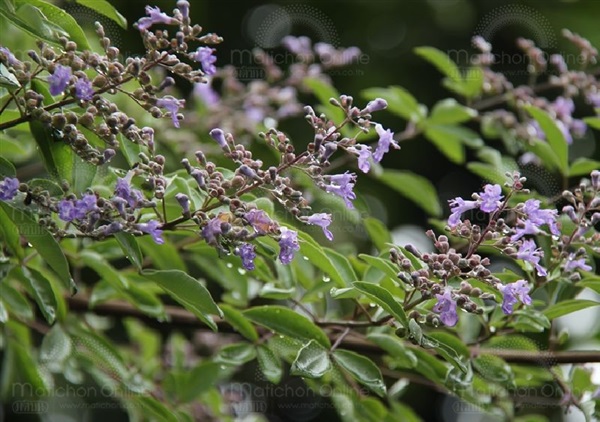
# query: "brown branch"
{"points": [[184, 319]]}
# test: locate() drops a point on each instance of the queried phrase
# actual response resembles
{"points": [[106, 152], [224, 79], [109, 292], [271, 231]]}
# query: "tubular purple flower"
{"points": [[288, 244], [206, 94], [298, 45], [260, 221], [184, 8], [219, 136], [211, 230], [205, 56], [446, 307], [539, 216], [197, 175], [184, 202], [322, 220], [247, 253], [83, 89], [376, 105], [154, 16], [59, 79], [112, 228], [152, 228], [124, 191], [386, 138], [572, 264], [528, 252], [513, 293], [172, 105], [342, 185], [490, 198], [364, 156], [457, 207], [108, 154], [10, 57], [8, 188]]}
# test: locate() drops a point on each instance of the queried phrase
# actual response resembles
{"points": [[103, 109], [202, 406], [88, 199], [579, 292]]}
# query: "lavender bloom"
{"points": [[527, 228], [124, 190], [59, 79], [364, 156], [458, 206], [172, 105], [219, 136], [288, 244], [154, 16], [512, 293], [300, 46], [490, 198], [8, 188], [446, 307], [528, 252], [10, 57], [259, 220], [572, 264], [594, 99], [212, 230], [84, 89], [541, 216], [246, 252], [563, 107], [184, 8], [184, 202], [322, 220], [69, 210], [376, 105], [65, 210], [112, 228], [204, 55], [152, 228], [342, 185], [206, 94], [386, 138], [108, 154]]}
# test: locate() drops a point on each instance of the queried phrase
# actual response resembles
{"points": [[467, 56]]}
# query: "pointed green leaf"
{"points": [[236, 354], [400, 102], [130, 247], [269, 364], [416, 188], [554, 136], [42, 292], [287, 322], [441, 61], [384, 299], [9, 233], [106, 9], [312, 361], [567, 307], [239, 322], [378, 232], [449, 111], [362, 369]]}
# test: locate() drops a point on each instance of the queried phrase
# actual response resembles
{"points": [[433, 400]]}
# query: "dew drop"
{"points": [[229, 265], [326, 279], [305, 258], [372, 305], [241, 271]]}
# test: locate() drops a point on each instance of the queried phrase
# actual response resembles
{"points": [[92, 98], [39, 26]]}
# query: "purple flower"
{"points": [[219, 136], [376, 105], [184, 202], [288, 244], [246, 252], [563, 107], [207, 94], [512, 293], [528, 252], [322, 220], [446, 307], [184, 8], [172, 105], [212, 229], [10, 57], [300, 46], [386, 138], [154, 16], [342, 185], [541, 216], [204, 55], [124, 191], [8, 188], [458, 206], [84, 89], [259, 220], [69, 210], [594, 99], [364, 156], [59, 79], [152, 228], [572, 264], [490, 198]]}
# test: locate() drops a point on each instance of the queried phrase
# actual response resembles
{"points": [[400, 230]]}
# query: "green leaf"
{"points": [[492, 368], [384, 299], [82, 175], [3, 312], [46, 184], [164, 256], [287, 322], [416, 188], [9, 233], [188, 292], [567, 307], [381, 264], [106, 9], [554, 136], [239, 322], [400, 102], [362, 369], [43, 242], [317, 256], [130, 247], [312, 361], [450, 146], [41, 290], [271, 291], [543, 150], [487, 172], [378, 232], [15, 302], [56, 346], [27, 368], [441, 61], [583, 167], [155, 410], [396, 348], [593, 122], [31, 20], [269, 363], [6, 168], [56, 155], [236, 354], [62, 19], [342, 266], [449, 111], [324, 92]]}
